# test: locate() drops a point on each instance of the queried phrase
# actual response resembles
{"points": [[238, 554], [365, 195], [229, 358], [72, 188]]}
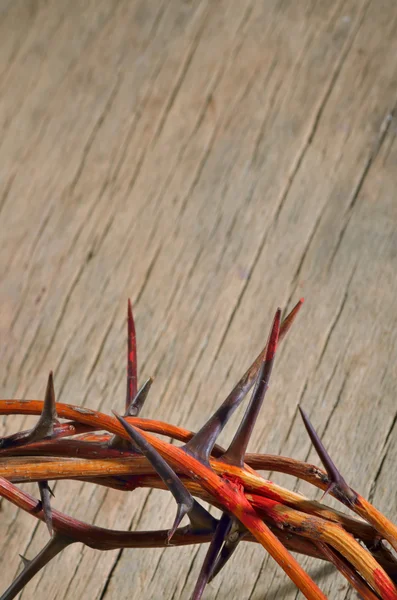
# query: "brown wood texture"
{"points": [[211, 160]]}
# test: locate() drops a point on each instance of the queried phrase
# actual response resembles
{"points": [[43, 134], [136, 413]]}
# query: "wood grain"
{"points": [[211, 160]]}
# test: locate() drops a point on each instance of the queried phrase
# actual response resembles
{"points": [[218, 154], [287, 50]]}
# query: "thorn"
{"points": [[132, 365], [182, 509], [199, 517], [53, 547], [201, 444], [137, 403], [45, 496], [44, 427], [49, 413], [235, 453], [221, 532], [337, 485], [289, 319], [234, 537], [134, 409], [24, 560], [48, 418]]}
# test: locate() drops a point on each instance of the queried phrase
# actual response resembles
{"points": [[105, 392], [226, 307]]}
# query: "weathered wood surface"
{"points": [[212, 160]]}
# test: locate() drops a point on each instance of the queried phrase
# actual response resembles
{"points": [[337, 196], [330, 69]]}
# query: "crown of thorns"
{"points": [[128, 456]]}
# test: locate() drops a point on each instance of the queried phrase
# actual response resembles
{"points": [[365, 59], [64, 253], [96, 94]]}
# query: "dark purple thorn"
{"points": [[134, 409], [187, 505], [233, 538], [212, 553], [337, 485], [235, 453], [202, 443], [137, 403], [45, 496], [24, 560], [44, 427], [54, 546], [48, 418]]}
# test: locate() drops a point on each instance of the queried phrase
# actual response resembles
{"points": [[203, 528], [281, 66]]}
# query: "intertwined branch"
{"points": [[254, 509]]}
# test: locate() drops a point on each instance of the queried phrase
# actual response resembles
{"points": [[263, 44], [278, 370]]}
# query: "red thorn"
{"points": [[274, 335], [289, 319], [132, 363]]}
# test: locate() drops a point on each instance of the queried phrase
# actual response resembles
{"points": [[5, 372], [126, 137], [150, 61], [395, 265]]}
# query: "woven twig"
{"points": [[128, 455]]}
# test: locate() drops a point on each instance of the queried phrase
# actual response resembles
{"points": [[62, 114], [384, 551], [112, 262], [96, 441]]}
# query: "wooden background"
{"points": [[212, 160]]}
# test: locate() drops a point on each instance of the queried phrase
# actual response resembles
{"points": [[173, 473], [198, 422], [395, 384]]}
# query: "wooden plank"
{"points": [[210, 160]]}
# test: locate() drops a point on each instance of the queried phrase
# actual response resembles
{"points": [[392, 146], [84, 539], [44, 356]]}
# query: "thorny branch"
{"points": [[122, 453]]}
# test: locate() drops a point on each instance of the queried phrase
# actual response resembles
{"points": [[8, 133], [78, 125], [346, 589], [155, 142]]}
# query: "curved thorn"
{"points": [[132, 365], [202, 443], [238, 447], [45, 496], [337, 485], [198, 516], [221, 532], [53, 547]]}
